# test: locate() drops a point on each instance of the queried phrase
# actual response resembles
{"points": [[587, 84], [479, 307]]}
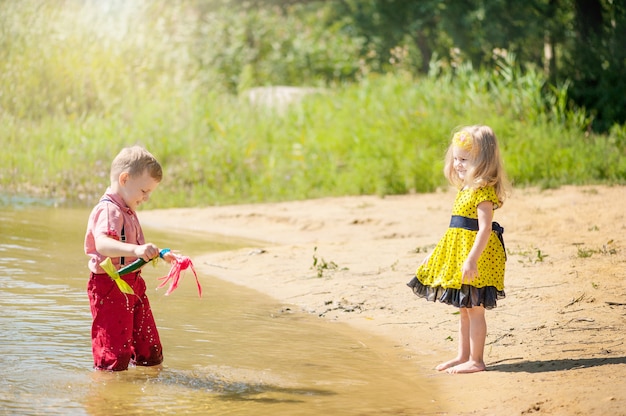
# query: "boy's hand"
{"points": [[169, 257], [147, 251]]}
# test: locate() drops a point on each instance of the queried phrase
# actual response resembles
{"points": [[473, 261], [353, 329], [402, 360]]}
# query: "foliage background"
{"points": [[81, 79]]}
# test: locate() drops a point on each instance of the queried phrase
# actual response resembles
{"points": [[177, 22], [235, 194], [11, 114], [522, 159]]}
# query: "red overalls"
{"points": [[123, 329]]}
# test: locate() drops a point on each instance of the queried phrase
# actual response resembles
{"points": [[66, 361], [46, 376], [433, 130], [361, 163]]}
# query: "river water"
{"points": [[232, 352]]}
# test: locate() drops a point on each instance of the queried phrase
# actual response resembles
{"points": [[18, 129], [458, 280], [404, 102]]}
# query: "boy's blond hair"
{"points": [[488, 167], [135, 160]]}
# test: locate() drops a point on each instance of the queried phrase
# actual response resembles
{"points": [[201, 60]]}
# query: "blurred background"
{"points": [[252, 101]]}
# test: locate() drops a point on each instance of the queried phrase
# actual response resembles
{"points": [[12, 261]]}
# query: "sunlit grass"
{"points": [[74, 94]]}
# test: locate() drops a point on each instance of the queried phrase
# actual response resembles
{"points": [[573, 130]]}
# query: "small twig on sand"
{"points": [[578, 299], [499, 338]]}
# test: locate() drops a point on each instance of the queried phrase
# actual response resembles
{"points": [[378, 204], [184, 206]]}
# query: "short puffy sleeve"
{"points": [[109, 221], [486, 193], [105, 219]]}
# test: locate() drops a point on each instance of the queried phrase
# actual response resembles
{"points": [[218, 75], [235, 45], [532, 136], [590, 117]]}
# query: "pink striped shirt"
{"points": [[108, 218]]}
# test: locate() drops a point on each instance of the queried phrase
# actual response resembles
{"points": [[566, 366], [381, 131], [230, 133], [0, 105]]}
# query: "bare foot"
{"points": [[467, 367], [450, 363]]}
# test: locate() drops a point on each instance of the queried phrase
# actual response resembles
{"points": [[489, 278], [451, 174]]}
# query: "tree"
{"points": [[597, 60], [390, 25]]}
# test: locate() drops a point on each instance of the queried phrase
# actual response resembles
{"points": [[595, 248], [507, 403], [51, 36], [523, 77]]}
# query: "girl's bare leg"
{"points": [[477, 337], [464, 342]]}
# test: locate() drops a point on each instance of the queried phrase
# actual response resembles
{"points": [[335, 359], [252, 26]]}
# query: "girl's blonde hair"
{"points": [[135, 160], [481, 143]]}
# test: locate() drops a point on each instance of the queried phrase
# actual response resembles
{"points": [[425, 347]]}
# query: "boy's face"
{"points": [[136, 190]]}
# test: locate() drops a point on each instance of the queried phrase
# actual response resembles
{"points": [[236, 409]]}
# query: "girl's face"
{"points": [[462, 161], [136, 190]]}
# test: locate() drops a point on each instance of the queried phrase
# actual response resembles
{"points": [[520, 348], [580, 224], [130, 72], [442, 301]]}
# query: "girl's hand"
{"points": [[469, 270]]}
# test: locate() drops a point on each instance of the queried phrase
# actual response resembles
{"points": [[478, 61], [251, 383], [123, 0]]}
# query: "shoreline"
{"points": [[555, 345]]}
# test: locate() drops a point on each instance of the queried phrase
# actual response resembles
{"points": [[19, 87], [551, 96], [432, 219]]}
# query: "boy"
{"points": [[123, 329]]}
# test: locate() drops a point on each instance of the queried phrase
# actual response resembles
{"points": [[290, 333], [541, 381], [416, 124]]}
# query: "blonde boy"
{"points": [[123, 330]]}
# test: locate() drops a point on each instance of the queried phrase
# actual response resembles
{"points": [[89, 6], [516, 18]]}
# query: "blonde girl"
{"points": [[466, 268]]}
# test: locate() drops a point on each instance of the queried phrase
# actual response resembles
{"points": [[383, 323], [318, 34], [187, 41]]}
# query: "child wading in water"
{"points": [[123, 330], [466, 268]]}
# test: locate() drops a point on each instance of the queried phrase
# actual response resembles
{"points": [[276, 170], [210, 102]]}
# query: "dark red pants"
{"points": [[123, 329]]}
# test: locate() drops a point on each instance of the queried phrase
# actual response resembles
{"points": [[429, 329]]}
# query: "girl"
{"points": [[466, 268]]}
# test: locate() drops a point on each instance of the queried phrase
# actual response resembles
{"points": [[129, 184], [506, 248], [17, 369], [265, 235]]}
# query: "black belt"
{"points": [[458, 221]]}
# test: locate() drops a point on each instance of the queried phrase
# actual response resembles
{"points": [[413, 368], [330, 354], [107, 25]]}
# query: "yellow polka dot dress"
{"points": [[440, 277]]}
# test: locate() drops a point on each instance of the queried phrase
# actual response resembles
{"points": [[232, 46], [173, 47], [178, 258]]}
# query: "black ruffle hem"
{"points": [[466, 297]]}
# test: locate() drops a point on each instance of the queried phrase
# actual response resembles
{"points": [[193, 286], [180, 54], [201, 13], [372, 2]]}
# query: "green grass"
{"points": [[73, 95]]}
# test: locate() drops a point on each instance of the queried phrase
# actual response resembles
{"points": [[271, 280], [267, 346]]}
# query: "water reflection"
{"points": [[231, 352]]}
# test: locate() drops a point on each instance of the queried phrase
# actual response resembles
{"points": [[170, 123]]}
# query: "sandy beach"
{"points": [[555, 346]]}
